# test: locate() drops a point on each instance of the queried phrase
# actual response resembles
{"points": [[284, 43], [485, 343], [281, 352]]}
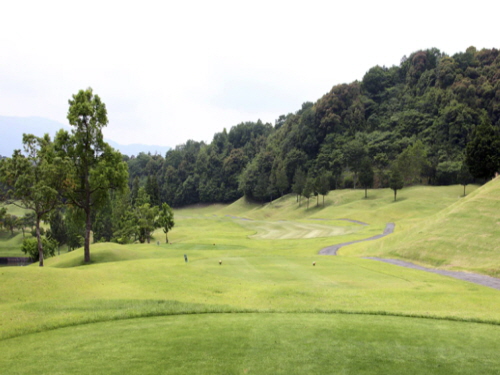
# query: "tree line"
{"points": [[427, 118]]}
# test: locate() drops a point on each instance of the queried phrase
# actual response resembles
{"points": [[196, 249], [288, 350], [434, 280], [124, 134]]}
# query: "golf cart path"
{"points": [[475, 278], [332, 250]]}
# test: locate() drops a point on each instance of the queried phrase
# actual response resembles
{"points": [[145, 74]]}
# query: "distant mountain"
{"points": [[136, 148], [12, 129]]}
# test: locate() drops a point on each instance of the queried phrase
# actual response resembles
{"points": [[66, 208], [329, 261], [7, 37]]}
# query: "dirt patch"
{"points": [[332, 250], [475, 278]]}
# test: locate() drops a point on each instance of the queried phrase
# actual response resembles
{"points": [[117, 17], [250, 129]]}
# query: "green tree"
{"points": [[412, 162], [135, 190], [142, 197], [30, 247], [146, 221], [58, 230], [96, 167], [317, 188], [281, 181], [464, 176], [9, 222], [102, 226], [396, 181], [354, 153], [3, 212], [482, 154], [299, 181], [366, 175], [166, 219], [308, 190], [324, 184], [74, 221], [35, 181]]}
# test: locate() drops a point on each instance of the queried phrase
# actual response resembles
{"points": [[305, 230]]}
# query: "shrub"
{"points": [[30, 247]]}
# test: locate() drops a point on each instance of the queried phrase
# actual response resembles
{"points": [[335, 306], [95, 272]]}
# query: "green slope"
{"points": [[462, 236]]}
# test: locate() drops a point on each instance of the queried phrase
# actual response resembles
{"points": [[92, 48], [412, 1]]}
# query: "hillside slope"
{"points": [[463, 236]]}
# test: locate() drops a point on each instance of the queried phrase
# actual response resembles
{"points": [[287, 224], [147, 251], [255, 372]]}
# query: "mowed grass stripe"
{"points": [[259, 344]]}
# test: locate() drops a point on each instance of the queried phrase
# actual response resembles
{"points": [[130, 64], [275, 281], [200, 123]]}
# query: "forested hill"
{"points": [[418, 116]]}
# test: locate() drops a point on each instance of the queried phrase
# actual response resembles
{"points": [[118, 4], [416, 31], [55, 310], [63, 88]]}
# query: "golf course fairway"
{"points": [[255, 297]]}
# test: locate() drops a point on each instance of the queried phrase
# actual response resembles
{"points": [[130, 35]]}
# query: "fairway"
{"points": [[250, 300], [293, 230]]}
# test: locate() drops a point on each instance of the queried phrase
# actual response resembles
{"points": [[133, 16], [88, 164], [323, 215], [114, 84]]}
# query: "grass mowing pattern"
{"points": [[259, 344]]}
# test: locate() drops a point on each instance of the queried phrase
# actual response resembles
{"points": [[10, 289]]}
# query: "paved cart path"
{"points": [[332, 250], [475, 278]]}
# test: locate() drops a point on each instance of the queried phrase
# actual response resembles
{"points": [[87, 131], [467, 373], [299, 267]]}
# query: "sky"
{"points": [[172, 71]]}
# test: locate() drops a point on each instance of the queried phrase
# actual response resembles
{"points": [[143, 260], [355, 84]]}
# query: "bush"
{"points": [[30, 247]]}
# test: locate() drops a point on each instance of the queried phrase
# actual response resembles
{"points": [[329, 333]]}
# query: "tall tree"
{"points": [[299, 181], [324, 184], [281, 181], [354, 153], [166, 219], [58, 229], [96, 167], [35, 181], [366, 175], [464, 176], [135, 190], [396, 181], [482, 153], [308, 190], [146, 221]]}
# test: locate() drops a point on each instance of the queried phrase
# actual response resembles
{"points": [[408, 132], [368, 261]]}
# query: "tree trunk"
{"points": [[317, 200], [395, 195], [166, 237], [307, 203], [88, 226], [464, 190], [39, 240]]}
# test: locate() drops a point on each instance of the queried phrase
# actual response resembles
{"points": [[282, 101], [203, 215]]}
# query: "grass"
{"points": [[266, 309], [10, 245], [463, 236], [259, 344]]}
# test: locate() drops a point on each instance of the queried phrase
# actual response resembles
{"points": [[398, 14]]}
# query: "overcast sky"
{"points": [[172, 72]]}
